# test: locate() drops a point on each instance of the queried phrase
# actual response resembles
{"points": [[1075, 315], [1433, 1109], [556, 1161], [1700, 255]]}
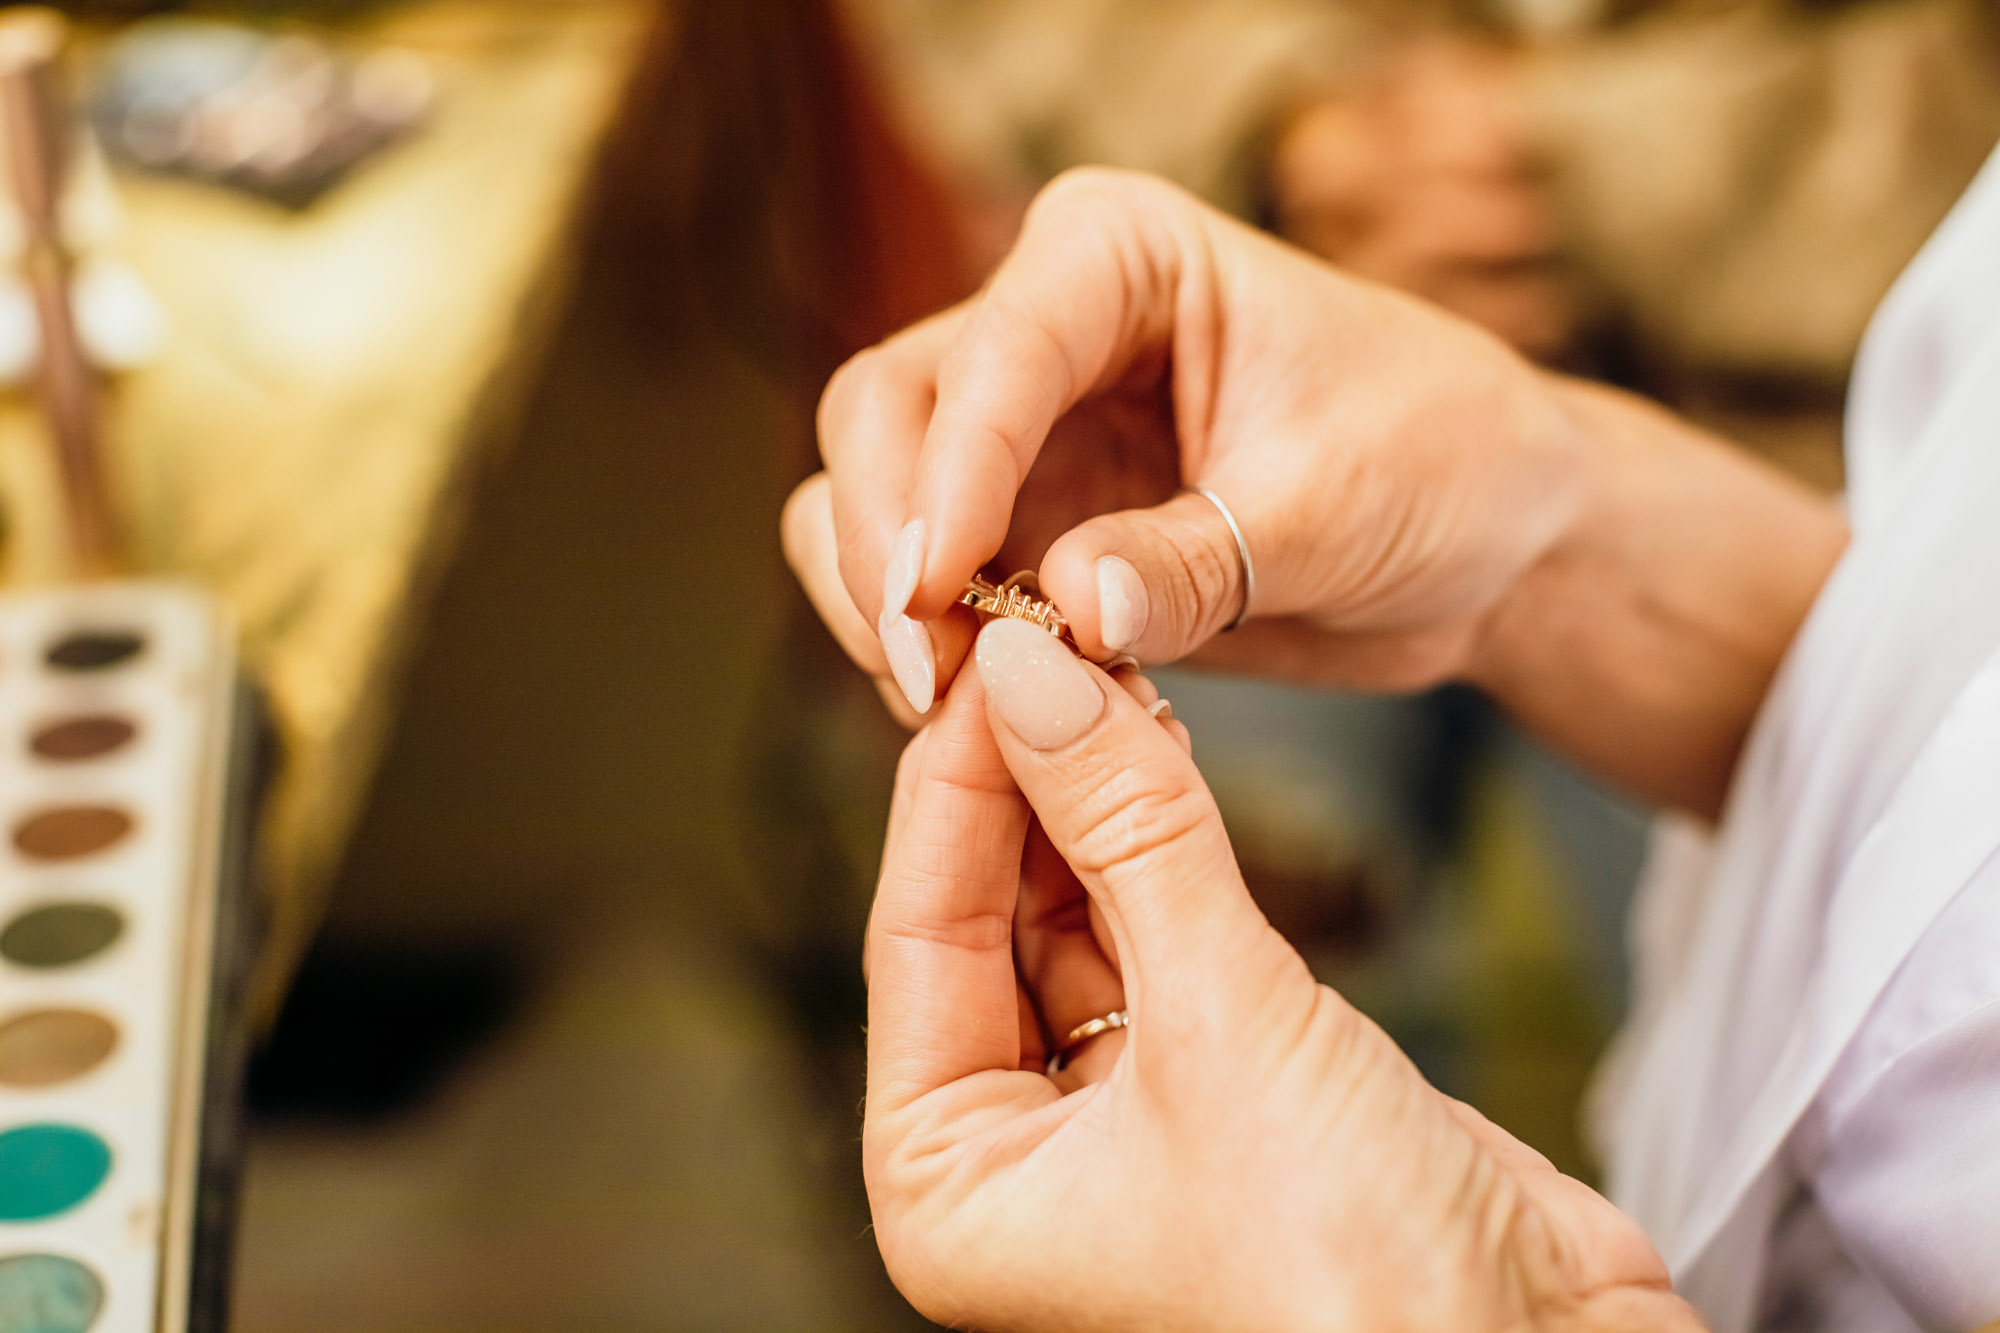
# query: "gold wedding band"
{"points": [[1242, 555], [1083, 1032]]}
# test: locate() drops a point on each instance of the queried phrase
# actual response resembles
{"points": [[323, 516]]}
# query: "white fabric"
{"points": [[1899, 1149], [1787, 1076]]}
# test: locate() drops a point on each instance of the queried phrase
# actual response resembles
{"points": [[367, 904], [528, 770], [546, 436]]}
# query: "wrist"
{"points": [[1512, 640], [1644, 638], [1585, 538]]}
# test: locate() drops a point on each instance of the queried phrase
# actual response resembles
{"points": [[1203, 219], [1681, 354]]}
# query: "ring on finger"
{"points": [[1242, 555], [1085, 1032]]}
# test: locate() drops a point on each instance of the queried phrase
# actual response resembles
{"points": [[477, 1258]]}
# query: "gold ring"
{"points": [[1019, 598], [1083, 1032]]}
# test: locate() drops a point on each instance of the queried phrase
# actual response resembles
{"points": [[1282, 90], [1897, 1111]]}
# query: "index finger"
{"points": [[1090, 286]]}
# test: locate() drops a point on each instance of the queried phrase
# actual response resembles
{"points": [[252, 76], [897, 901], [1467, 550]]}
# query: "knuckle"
{"points": [[1202, 579], [845, 393], [1092, 187], [1125, 821], [975, 933]]}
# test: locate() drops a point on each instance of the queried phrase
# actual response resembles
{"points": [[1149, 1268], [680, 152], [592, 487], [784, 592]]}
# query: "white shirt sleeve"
{"points": [[1902, 1147]]}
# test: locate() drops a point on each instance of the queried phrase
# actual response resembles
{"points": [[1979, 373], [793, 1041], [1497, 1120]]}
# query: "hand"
{"points": [[1393, 469], [1422, 177], [1420, 503], [1252, 1153]]}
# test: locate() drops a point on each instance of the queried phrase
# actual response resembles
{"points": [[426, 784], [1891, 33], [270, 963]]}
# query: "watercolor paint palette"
{"points": [[121, 825]]}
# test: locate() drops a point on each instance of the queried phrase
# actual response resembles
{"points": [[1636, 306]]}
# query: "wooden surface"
{"points": [[332, 380]]}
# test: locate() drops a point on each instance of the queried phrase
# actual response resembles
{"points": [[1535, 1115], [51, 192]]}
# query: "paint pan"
{"points": [[121, 828]]}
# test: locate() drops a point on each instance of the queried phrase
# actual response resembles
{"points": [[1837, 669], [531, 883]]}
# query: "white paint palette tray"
{"points": [[118, 709]]}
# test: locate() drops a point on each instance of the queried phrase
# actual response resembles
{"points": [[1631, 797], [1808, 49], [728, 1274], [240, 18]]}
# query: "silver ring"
{"points": [[1242, 554], [1083, 1032]]}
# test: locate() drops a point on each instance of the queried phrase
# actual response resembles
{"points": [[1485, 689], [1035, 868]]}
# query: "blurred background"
{"points": [[468, 349]]}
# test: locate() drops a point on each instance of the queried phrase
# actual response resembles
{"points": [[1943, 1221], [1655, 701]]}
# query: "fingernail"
{"points": [[1121, 603], [906, 566], [1039, 688], [1161, 711], [907, 645]]}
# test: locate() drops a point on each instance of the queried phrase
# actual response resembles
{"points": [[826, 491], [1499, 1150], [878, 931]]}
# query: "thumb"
{"points": [[1156, 583], [1125, 807]]}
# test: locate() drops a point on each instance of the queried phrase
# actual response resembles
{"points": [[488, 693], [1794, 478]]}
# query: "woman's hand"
{"points": [[1251, 1153], [1420, 504], [1393, 469]]}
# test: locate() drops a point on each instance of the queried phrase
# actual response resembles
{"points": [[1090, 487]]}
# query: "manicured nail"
{"points": [[906, 566], [1121, 603], [1161, 711], [1038, 687], [907, 645]]}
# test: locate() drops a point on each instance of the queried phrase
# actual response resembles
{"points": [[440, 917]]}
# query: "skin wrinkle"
{"points": [[1142, 265], [981, 933], [1199, 346], [1201, 566], [959, 1165], [1368, 586], [939, 843], [936, 1131], [1326, 1011], [1118, 829], [1479, 1170]]}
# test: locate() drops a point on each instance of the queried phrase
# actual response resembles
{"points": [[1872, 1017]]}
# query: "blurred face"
{"points": [[1421, 178]]}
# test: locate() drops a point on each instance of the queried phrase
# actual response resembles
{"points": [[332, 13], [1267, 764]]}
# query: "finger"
{"points": [[1156, 583], [1123, 804], [1147, 696], [871, 422], [924, 658], [942, 1000], [812, 551], [1089, 288], [1059, 956], [1135, 683], [898, 703], [807, 529], [908, 767], [900, 798]]}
